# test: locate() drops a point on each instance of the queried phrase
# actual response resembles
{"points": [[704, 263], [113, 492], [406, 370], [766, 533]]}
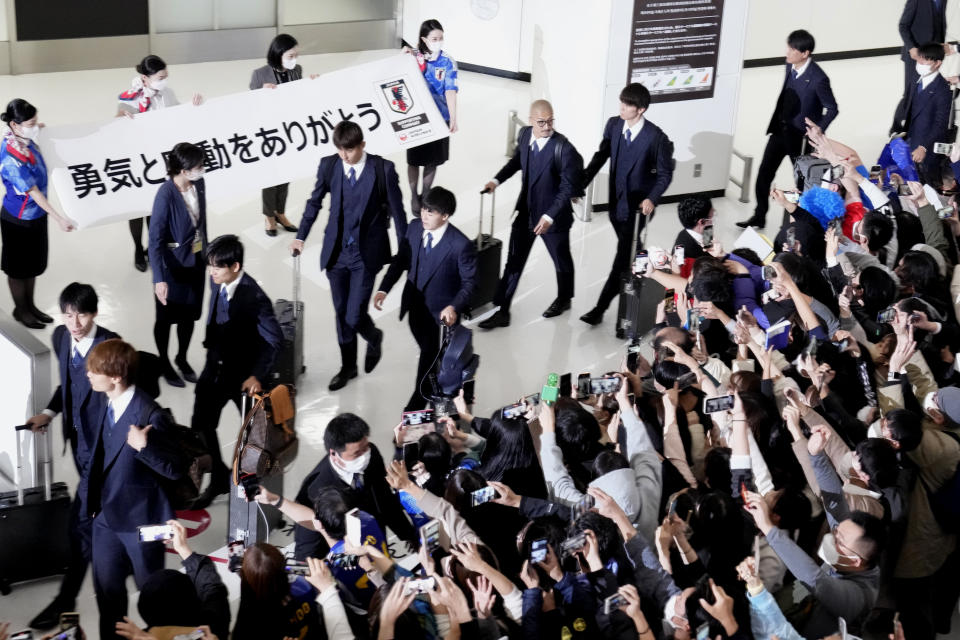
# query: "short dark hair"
{"points": [[794, 509], [693, 210], [608, 460], [801, 40], [225, 251], [18, 110], [919, 270], [905, 427], [150, 65], [635, 95], [344, 429], [874, 536], [930, 51], [608, 535], [878, 459], [877, 229], [577, 431], [440, 200], [716, 467], [81, 297], [879, 289], [330, 505], [184, 157], [425, 28], [347, 135], [282, 43]]}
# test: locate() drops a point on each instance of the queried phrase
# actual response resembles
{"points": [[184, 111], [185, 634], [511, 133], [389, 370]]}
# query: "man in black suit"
{"points": [[641, 167], [928, 111], [354, 465], [922, 21], [441, 266], [243, 338], [551, 170], [364, 194], [72, 342], [805, 94], [696, 214]]}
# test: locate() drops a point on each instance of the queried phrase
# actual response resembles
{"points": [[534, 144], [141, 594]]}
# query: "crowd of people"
{"points": [[776, 457]]}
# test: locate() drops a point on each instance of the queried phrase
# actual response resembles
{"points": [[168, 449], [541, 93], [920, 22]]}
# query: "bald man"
{"points": [[552, 171]]}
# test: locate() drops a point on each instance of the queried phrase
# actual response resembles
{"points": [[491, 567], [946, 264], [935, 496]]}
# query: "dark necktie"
{"points": [[429, 246], [223, 307], [352, 179], [77, 359], [919, 86], [936, 4], [536, 148], [111, 421], [795, 74], [629, 136], [357, 481]]}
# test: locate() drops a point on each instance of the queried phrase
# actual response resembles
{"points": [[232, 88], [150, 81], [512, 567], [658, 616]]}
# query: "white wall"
{"points": [[324, 11]]}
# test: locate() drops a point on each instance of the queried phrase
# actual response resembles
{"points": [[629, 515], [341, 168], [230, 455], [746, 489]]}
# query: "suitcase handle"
{"points": [[296, 283], [493, 207], [47, 460]]}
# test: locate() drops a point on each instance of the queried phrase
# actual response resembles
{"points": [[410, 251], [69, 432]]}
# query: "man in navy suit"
{"points": [[133, 454], [806, 93], [243, 339], [364, 194], [922, 21], [641, 167], [441, 266], [552, 175], [72, 342], [928, 111]]}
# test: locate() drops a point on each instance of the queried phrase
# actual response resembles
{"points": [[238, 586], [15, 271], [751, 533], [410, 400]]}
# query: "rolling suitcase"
{"points": [[639, 297], [489, 252], [251, 522], [289, 363], [34, 523]]}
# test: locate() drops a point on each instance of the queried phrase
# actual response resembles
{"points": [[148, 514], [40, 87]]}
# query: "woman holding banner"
{"points": [[23, 218], [148, 93]]}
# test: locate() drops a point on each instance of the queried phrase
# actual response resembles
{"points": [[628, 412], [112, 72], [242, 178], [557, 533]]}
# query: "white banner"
{"points": [[108, 172]]}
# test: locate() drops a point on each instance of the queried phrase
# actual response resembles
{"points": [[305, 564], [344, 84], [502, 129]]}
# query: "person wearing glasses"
{"points": [[552, 173]]}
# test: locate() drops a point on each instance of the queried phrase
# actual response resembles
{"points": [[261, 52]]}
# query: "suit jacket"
{"points": [[263, 75], [250, 340], [548, 183], [649, 166], [928, 114], [172, 235], [452, 280], [376, 498], [812, 98], [80, 436], [125, 484], [921, 22], [691, 248], [374, 241]]}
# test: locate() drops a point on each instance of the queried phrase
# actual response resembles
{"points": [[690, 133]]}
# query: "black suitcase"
{"points": [[34, 525], [639, 297], [289, 362], [251, 522], [489, 253]]}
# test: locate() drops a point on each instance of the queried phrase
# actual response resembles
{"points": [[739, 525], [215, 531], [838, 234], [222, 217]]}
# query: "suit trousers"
{"points": [[117, 554], [213, 392], [426, 331], [622, 257], [778, 145], [521, 241], [81, 543], [351, 285]]}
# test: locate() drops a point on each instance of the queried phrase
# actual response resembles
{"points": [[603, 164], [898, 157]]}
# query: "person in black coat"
{"points": [[551, 170], [922, 21], [72, 342], [441, 266], [242, 341], [805, 93], [696, 214], [641, 167], [364, 195], [927, 112], [355, 465]]}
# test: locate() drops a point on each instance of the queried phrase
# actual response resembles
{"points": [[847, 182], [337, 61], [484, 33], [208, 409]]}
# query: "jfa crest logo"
{"points": [[439, 73], [398, 96]]}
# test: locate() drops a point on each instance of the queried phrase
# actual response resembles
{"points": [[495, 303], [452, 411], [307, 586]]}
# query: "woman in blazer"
{"points": [[178, 238], [281, 67]]}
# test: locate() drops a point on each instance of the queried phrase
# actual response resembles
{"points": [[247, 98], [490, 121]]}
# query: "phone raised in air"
{"points": [[717, 404], [155, 532]]}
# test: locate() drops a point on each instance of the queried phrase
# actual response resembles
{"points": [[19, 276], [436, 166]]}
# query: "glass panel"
{"points": [[246, 14], [171, 16], [313, 12]]}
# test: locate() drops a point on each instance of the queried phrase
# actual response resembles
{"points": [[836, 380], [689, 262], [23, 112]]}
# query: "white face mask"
{"points": [[30, 133], [194, 175], [289, 63], [158, 84], [923, 69], [830, 554], [357, 465], [434, 46]]}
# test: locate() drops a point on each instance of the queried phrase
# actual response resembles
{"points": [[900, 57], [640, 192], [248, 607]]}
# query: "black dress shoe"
{"points": [[50, 616], [140, 259], [340, 380], [593, 317], [374, 351], [556, 307], [172, 378], [753, 221], [186, 370], [500, 319], [27, 320], [271, 232], [41, 316]]}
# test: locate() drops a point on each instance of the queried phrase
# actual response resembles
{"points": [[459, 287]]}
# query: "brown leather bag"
{"points": [[267, 443]]}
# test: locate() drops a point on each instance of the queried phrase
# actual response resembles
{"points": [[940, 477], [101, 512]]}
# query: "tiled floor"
{"points": [[514, 361]]}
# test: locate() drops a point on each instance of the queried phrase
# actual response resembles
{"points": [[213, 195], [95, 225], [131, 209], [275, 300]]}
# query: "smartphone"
{"points": [[235, 551], [669, 301], [343, 561], [614, 602], [430, 535], [836, 172], [703, 631], [565, 385], [640, 263], [707, 236], [810, 349], [482, 495], [943, 148], [583, 385], [538, 550], [717, 404], [693, 320], [196, 634], [69, 619], [945, 213], [633, 357], [604, 385], [743, 491], [583, 505], [26, 634], [573, 544], [297, 567], [414, 418], [69, 634], [512, 411], [791, 238], [444, 408], [887, 315], [154, 532], [423, 585], [793, 197], [904, 190], [532, 400], [686, 380], [679, 254], [876, 171], [837, 225], [251, 485], [354, 527], [768, 296], [769, 273], [468, 387]]}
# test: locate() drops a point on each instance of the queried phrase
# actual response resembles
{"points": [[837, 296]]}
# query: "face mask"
{"points": [[194, 175], [923, 69], [434, 46], [289, 63], [874, 430], [159, 84], [357, 465], [30, 133], [831, 555]]}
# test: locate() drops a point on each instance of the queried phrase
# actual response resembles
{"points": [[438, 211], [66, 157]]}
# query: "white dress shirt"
{"points": [[634, 130], [83, 345], [231, 287], [436, 233], [121, 402], [541, 143], [802, 68], [357, 167]]}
